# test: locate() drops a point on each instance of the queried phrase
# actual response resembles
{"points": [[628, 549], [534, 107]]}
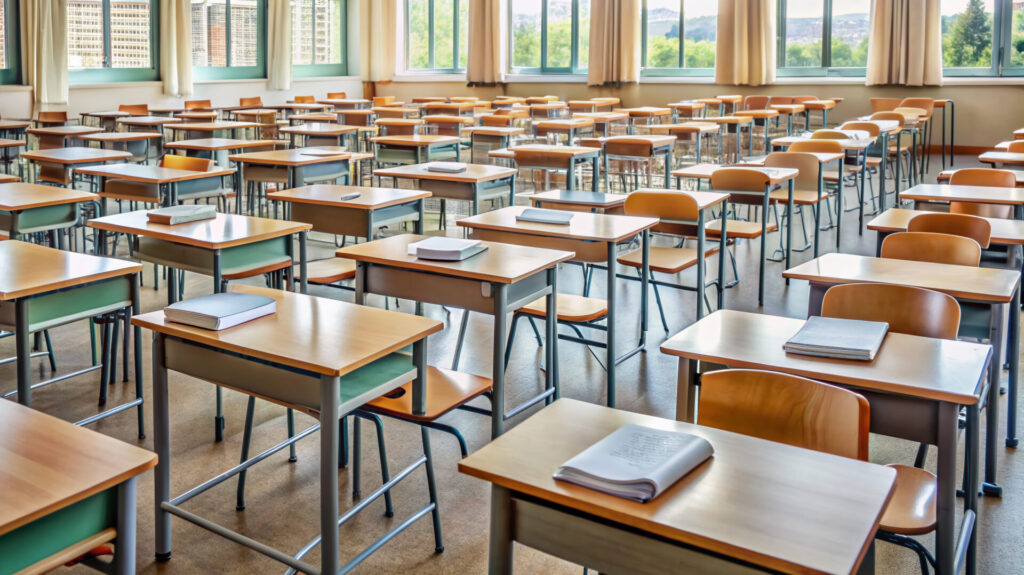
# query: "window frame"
{"points": [[108, 74], [229, 72], [12, 43], [825, 69], [574, 57], [456, 67], [332, 69], [995, 68], [670, 72]]}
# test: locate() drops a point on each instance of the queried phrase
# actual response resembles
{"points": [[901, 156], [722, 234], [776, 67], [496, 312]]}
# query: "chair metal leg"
{"points": [[250, 410], [432, 490], [460, 340]]}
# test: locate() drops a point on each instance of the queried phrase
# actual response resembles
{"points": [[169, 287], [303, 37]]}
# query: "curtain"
{"points": [[615, 39], [486, 39], [745, 50], [905, 43], [45, 49], [378, 21], [176, 47], [279, 44]]}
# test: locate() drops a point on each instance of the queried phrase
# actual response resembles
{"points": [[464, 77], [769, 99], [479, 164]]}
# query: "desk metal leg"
{"points": [[162, 446], [124, 558], [945, 531], [989, 486], [610, 363], [551, 341], [1013, 343], [881, 174], [500, 294], [500, 554], [723, 246], [24, 352], [330, 396], [789, 223], [973, 446], [686, 390], [303, 283]]}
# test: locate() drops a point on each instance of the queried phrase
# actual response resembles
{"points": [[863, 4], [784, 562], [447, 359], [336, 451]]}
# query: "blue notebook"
{"points": [[221, 310]]}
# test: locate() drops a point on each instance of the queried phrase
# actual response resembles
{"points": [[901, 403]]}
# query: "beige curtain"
{"points": [[486, 42], [745, 50], [905, 45], [378, 21], [45, 49], [279, 44], [614, 42], [176, 47]]}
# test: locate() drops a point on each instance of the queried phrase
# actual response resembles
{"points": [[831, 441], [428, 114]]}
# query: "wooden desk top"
{"points": [[342, 101], [8, 178], [293, 157], [49, 464], [459, 106], [165, 109], [392, 109], [944, 370], [474, 173], [945, 175], [224, 231], [428, 99], [500, 263], [315, 334], [75, 155], [976, 194], [822, 157], [213, 126], [583, 226], [819, 104], [148, 120], [730, 98], [107, 114], [655, 140], [565, 123], [23, 196], [153, 174], [645, 111], [298, 106], [704, 171], [496, 130], [122, 136], [848, 144], [5, 143], [787, 108], [741, 503], [328, 117], [197, 115], [420, 141], [1004, 232], [704, 200], [14, 124], [560, 151], [701, 127], [757, 113], [695, 105], [729, 119], [65, 131], [448, 119], [399, 122], [260, 112], [319, 129], [30, 269], [994, 285], [1018, 134], [602, 117], [1014, 158], [597, 200], [330, 195], [214, 144]]}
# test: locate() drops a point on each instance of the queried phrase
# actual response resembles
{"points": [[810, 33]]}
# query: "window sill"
{"points": [[15, 88], [428, 77], [545, 79], [109, 85]]}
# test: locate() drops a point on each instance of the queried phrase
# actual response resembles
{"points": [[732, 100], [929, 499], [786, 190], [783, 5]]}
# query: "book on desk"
{"points": [[838, 338], [542, 216], [173, 215], [446, 249], [221, 310], [446, 167]]}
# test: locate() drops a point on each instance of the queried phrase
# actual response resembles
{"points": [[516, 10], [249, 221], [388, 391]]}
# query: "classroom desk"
{"points": [[169, 180], [216, 148], [734, 125], [263, 116], [32, 208], [594, 238], [345, 103], [563, 157], [59, 136], [480, 182], [684, 130], [7, 179], [571, 127], [1004, 232], [945, 175], [64, 491], [322, 207], [918, 401], [303, 166], [822, 106], [649, 115], [13, 128], [147, 122], [198, 116], [309, 130], [497, 281], [165, 110], [106, 120], [213, 129], [736, 513], [68, 159], [764, 116], [130, 141], [579, 200], [497, 135], [997, 159], [976, 194], [325, 117], [407, 150], [686, 110], [327, 376], [885, 129], [292, 107], [990, 287], [42, 288], [604, 121], [395, 112], [8, 153], [942, 104], [789, 110]]}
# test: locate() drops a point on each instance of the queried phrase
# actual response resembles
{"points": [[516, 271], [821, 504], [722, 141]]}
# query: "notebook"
{"points": [[181, 214], [221, 310], [636, 462], [324, 151], [446, 167], [838, 338], [445, 249], [545, 216]]}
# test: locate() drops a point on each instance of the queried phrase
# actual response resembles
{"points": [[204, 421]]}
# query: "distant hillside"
{"points": [[697, 29]]}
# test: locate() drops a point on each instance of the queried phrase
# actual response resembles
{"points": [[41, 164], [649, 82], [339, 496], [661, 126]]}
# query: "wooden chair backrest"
{"points": [[966, 225], [626, 146], [907, 309], [189, 163], [1016, 147], [802, 99], [781, 100], [197, 105], [817, 147], [496, 120], [741, 180], [889, 115], [831, 135], [399, 126], [884, 104], [926, 104], [983, 177], [343, 95], [254, 101], [786, 409], [678, 210], [755, 102], [305, 100], [931, 247], [52, 117], [540, 159], [806, 163], [868, 127], [136, 109]]}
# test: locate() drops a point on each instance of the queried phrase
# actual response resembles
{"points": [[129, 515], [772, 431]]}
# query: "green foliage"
{"points": [[844, 55], [663, 52], [967, 41], [444, 37], [526, 44]]}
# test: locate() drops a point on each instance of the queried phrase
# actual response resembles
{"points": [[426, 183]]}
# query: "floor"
{"points": [[283, 497]]}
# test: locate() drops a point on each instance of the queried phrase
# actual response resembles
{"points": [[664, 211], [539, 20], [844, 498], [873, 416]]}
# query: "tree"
{"points": [[969, 40]]}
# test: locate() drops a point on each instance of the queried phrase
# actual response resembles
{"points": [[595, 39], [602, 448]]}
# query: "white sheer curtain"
{"points": [[45, 49], [176, 47], [279, 44]]}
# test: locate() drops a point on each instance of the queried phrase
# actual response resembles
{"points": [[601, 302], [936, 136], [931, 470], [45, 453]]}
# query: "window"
{"points": [[823, 37], [968, 37], [435, 28], [111, 40], [229, 39], [549, 36], [318, 37], [10, 56], [679, 37]]}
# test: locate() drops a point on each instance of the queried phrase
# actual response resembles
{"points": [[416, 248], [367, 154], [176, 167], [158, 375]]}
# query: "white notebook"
{"points": [[445, 249], [446, 167], [542, 216], [221, 310], [636, 462], [184, 213], [838, 338]]}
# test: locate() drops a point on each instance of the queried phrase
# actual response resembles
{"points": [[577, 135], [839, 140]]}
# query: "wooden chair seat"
{"points": [[665, 260], [328, 271], [833, 175], [873, 161], [738, 229], [446, 390], [801, 197], [912, 509], [269, 268], [571, 308]]}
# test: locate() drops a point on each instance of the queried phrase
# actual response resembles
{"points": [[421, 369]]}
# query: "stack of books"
{"points": [[838, 338], [542, 216], [182, 214], [445, 249]]}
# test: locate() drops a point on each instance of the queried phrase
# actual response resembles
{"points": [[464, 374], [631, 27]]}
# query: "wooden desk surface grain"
{"points": [[214, 144], [224, 231], [122, 136], [49, 464], [423, 140], [977, 194], [17, 196], [330, 195], [583, 226], [704, 171], [8, 178], [75, 155], [500, 263], [598, 200], [152, 174], [474, 173], [560, 151], [148, 120], [1004, 232], [745, 502], [64, 130], [321, 335], [29, 269], [994, 285], [319, 128], [292, 157], [213, 126]]}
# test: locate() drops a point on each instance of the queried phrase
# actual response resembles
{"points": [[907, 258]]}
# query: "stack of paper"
{"points": [[446, 167], [545, 216], [181, 214], [220, 311], [838, 338], [446, 249]]}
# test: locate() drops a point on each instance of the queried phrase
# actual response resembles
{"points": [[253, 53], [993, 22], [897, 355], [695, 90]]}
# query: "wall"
{"points": [[986, 112]]}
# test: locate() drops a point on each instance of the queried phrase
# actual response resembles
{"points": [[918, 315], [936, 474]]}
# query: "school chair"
{"points": [[305, 100], [746, 187], [983, 177], [49, 118], [808, 190], [873, 155], [134, 109]]}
